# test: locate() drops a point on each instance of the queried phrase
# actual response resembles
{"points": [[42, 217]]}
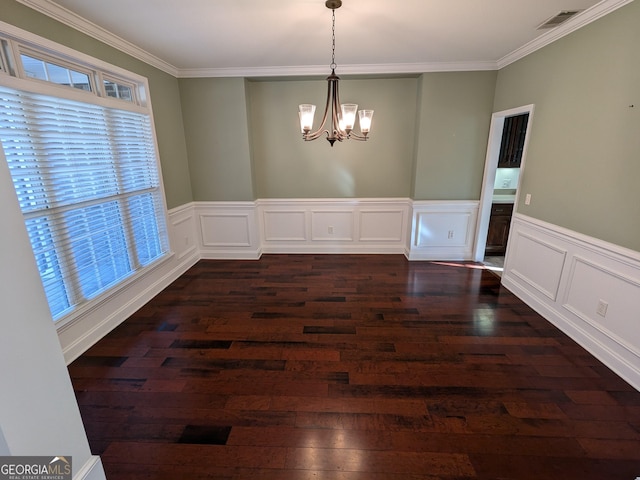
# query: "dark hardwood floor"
{"points": [[350, 367]]}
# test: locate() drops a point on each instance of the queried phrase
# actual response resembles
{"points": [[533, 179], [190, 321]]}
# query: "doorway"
{"points": [[502, 199]]}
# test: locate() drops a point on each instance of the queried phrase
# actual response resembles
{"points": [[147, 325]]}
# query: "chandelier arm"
{"points": [[355, 136], [337, 105], [314, 135], [336, 131], [321, 129]]}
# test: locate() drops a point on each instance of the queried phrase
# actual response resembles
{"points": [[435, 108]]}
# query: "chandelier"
{"points": [[342, 117]]}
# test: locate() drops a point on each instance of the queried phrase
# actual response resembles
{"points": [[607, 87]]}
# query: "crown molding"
{"points": [[588, 16], [61, 14], [323, 70], [83, 25], [71, 19]]}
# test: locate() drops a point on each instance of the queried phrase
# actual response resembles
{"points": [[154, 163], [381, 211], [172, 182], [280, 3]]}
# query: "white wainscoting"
{"points": [[227, 230], [423, 230], [588, 288], [91, 325], [183, 232], [333, 225], [443, 230]]}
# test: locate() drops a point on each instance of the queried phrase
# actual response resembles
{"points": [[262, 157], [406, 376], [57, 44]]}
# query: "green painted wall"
{"points": [[288, 167], [583, 164], [216, 129], [454, 119], [428, 138], [164, 92]]}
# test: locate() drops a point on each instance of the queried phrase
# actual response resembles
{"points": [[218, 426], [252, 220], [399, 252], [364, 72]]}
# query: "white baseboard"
{"points": [[569, 278]]}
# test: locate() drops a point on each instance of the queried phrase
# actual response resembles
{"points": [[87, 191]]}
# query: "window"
{"points": [[119, 90], [87, 180], [51, 72]]}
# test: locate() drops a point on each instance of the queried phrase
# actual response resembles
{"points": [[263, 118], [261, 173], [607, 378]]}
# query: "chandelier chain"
{"points": [[333, 40]]}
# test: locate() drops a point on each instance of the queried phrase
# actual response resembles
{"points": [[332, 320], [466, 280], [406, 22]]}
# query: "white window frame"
{"points": [[12, 75], [19, 49], [4, 69], [102, 77]]}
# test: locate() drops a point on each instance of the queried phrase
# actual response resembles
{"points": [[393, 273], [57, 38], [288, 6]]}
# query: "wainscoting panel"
{"points": [[182, 232], [285, 226], [333, 225], [607, 299], [383, 225], [588, 288], [227, 230], [538, 263], [443, 230]]}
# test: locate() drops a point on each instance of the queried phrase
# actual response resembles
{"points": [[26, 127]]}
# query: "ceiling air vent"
{"points": [[557, 19]]}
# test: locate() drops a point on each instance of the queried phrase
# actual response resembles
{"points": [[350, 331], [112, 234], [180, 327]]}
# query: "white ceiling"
{"points": [[293, 37]]}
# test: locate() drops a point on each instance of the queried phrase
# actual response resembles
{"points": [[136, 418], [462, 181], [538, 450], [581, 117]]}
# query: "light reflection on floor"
{"points": [[483, 318], [484, 321], [495, 264]]}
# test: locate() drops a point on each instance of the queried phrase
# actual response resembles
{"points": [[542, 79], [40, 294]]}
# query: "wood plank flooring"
{"points": [[350, 367]]}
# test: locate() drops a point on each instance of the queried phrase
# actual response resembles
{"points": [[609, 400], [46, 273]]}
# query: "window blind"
{"points": [[88, 185]]}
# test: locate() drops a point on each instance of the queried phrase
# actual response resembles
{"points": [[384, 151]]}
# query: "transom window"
{"points": [[54, 73], [117, 89]]}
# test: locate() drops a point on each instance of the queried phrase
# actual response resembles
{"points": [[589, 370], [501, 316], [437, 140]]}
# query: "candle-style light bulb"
{"points": [[365, 117], [348, 116], [306, 113]]}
